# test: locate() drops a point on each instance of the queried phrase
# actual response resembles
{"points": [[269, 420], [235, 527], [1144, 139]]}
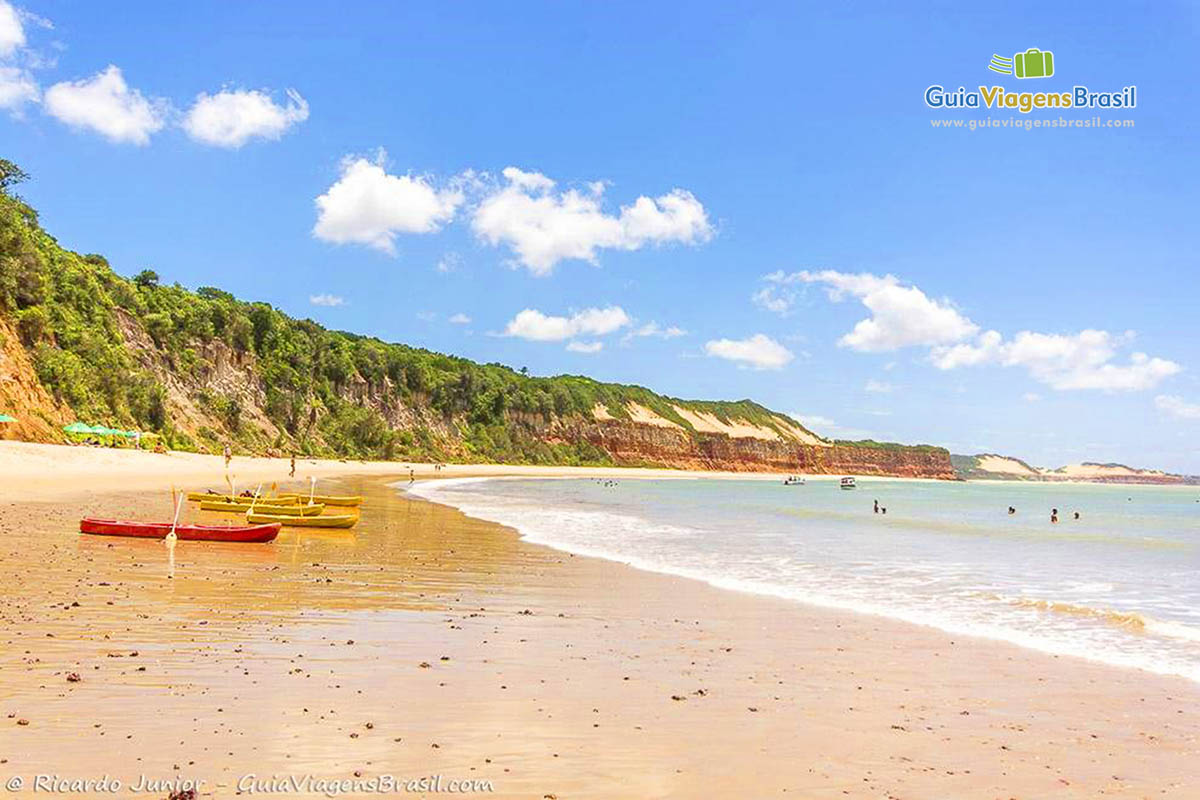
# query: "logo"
{"points": [[1033, 63]]}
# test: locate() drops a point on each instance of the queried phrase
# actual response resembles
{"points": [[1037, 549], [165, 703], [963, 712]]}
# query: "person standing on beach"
{"points": [[412, 475], [228, 456], [292, 471], [876, 506]]}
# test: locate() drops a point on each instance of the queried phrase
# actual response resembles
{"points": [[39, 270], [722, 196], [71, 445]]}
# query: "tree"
{"points": [[11, 175], [147, 278]]}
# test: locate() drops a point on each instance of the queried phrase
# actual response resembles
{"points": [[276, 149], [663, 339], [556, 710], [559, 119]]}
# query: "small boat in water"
{"points": [[848, 483], [793, 480], [159, 530], [295, 510], [324, 521]]}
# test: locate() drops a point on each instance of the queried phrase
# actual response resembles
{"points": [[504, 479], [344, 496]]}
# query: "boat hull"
{"points": [[201, 497], [263, 508], [259, 532], [327, 499], [326, 521]]}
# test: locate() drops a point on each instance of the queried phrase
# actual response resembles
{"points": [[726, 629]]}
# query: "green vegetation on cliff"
{"points": [[82, 324]]}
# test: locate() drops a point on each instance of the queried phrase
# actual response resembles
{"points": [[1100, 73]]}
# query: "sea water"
{"points": [[1120, 585]]}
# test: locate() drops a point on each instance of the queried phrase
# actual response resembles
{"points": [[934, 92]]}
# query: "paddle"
{"points": [[171, 537]]}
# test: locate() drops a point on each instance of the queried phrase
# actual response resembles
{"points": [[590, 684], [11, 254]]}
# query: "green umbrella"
{"points": [[78, 427], [7, 418]]}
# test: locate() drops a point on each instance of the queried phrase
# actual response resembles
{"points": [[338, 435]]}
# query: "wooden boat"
{"points": [[295, 510], [324, 521], [280, 500], [327, 499], [259, 532]]}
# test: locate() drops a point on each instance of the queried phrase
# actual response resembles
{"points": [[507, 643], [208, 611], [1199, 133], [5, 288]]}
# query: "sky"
{"points": [[717, 201]]}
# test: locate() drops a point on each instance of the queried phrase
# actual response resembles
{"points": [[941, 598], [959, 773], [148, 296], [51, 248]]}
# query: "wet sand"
{"points": [[426, 643]]}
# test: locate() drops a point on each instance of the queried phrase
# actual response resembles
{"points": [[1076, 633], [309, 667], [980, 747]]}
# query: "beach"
{"points": [[426, 643]]}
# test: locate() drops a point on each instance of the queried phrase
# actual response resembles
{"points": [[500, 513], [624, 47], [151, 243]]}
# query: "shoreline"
{"points": [[891, 615], [563, 675], [49, 471]]}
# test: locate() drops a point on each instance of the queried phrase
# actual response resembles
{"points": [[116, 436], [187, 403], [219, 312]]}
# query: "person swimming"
{"points": [[1076, 515], [876, 506], [1054, 515], [1011, 511]]}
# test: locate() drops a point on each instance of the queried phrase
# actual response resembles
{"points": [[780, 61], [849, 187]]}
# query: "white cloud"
{"points": [[368, 206], [17, 87], [656, 330], [450, 262], [12, 32], [878, 387], [585, 347], [758, 351], [772, 299], [829, 428], [813, 420], [1031, 397], [233, 117], [1077, 361], [543, 227], [901, 316], [1177, 407], [904, 316], [535, 326], [777, 296], [105, 104], [459, 319], [330, 300]]}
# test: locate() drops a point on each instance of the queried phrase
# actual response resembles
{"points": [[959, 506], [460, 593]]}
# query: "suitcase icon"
{"points": [[1034, 63]]}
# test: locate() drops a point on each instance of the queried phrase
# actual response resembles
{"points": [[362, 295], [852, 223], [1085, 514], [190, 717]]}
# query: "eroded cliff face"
{"points": [[634, 444], [635, 436], [38, 415]]}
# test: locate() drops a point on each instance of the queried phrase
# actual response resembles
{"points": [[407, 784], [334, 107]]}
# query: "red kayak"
{"points": [[159, 530]]}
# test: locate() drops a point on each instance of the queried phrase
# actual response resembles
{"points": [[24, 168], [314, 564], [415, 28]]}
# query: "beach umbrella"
{"points": [[78, 427], [7, 418]]}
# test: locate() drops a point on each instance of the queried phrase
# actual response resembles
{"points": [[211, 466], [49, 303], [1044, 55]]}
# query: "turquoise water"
{"points": [[1120, 585]]}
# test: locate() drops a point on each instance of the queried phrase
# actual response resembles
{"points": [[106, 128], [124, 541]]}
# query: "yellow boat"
{"points": [[296, 510], [280, 500], [327, 499], [325, 521]]}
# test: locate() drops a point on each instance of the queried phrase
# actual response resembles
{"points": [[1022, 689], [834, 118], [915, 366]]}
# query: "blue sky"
{"points": [[779, 140]]}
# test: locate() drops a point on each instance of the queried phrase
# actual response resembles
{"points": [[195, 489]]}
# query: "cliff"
{"points": [[202, 369], [643, 443]]}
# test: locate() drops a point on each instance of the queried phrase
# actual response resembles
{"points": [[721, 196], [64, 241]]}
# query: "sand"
{"points": [[426, 643]]}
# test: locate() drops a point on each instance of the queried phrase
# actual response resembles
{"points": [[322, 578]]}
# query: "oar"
{"points": [[171, 537]]}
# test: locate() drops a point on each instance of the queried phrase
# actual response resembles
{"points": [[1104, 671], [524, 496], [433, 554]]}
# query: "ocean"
{"points": [[1120, 585]]}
